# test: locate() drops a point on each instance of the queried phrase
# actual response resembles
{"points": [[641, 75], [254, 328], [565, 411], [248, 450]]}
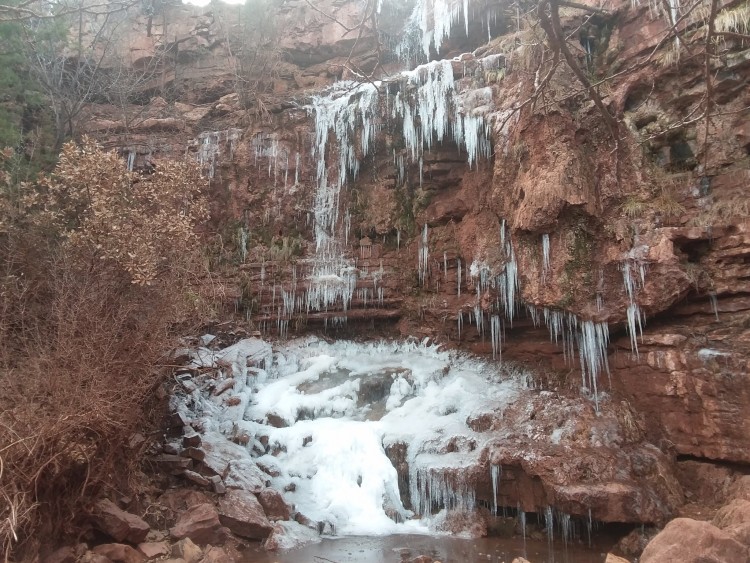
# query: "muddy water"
{"points": [[401, 549]]}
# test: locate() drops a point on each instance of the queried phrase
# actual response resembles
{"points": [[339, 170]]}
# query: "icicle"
{"points": [[478, 318], [549, 524], [466, 17], [460, 320], [424, 254], [522, 521], [431, 489], [398, 239], [545, 256], [458, 276], [592, 346], [495, 472], [635, 317], [714, 304], [445, 265], [565, 528], [495, 335]]}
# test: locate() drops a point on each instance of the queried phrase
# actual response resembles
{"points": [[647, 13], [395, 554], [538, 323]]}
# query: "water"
{"points": [[400, 549]]}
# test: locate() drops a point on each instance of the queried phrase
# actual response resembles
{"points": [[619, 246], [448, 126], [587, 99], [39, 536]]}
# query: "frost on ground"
{"points": [[320, 423]]}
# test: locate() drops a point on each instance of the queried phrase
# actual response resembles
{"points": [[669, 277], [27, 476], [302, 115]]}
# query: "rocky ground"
{"points": [[205, 499]]}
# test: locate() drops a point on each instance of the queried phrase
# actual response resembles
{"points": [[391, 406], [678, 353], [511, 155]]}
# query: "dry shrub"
{"points": [[96, 266]]}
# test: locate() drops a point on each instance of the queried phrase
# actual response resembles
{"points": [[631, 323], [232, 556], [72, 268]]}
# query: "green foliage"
{"points": [[24, 118]]}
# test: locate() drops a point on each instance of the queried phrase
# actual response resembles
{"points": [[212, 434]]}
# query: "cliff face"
{"points": [[646, 240]]}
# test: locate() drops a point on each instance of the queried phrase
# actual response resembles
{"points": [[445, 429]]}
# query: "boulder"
{"points": [[736, 512], [462, 523], [154, 549], [217, 555], [120, 525], [241, 512], [65, 554], [734, 519], [274, 505], [612, 558], [636, 541], [91, 557], [741, 488], [245, 474], [185, 549], [119, 553], [196, 478], [201, 524], [290, 535], [684, 540]]}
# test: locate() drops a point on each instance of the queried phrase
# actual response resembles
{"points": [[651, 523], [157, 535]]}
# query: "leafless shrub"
{"points": [[88, 295]]}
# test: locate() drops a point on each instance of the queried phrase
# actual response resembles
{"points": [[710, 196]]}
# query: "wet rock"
{"points": [[246, 475], [178, 420], [193, 453], [612, 558], [223, 387], [154, 549], [119, 553], [120, 525], [276, 421], [636, 541], [463, 523], [289, 535], [689, 541], [232, 463], [248, 352], [201, 524], [196, 478], [191, 439], [217, 555], [171, 448], [217, 485], [274, 505], [185, 549], [173, 464], [241, 512]]}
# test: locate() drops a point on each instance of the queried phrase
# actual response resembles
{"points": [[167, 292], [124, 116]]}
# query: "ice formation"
{"points": [[322, 418], [634, 278], [429, 24], [424, 256], [210, 144]]}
